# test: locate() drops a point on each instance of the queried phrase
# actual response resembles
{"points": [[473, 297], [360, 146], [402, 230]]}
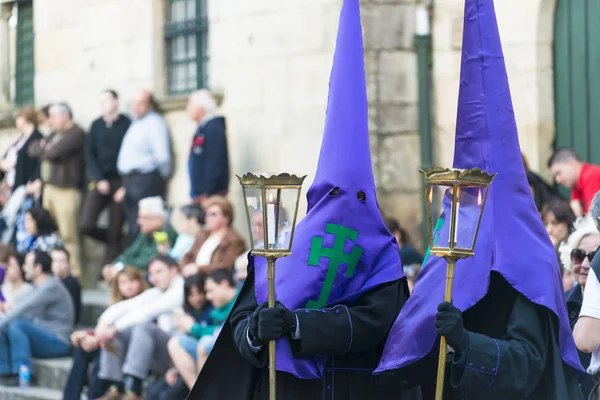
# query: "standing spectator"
{"points": [[40, 325], [102, 149], [219, 245], [141, 344], [61, 269], [42, 230], [558, 218], [62, 171], [209, 161], [582, 178], [144, 160], [17, 168]]}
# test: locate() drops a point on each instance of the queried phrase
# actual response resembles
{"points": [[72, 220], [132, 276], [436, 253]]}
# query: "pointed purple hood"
{"points": [[341, 247], [512, 239]]}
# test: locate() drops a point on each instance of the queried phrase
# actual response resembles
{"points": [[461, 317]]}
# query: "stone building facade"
{"points": [[271, 59]]}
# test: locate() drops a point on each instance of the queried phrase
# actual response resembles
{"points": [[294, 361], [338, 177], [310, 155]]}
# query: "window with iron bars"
{"points": [[186, 40], [25, 68]]}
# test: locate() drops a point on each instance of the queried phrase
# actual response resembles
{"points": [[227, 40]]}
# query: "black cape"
{"points": [[354, 339], [513, 354]]}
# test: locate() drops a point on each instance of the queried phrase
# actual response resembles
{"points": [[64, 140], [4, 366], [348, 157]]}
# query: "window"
{"points": [[25, 68], [186, 39]]}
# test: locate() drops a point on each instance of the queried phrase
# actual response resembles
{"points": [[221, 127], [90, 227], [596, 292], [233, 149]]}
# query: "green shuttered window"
{"points": [[186, 39], [25, 68], [577, 77]]}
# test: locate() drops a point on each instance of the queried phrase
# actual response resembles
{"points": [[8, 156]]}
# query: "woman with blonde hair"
{"points": [[17, 168], [576, 255], [128, 283]]}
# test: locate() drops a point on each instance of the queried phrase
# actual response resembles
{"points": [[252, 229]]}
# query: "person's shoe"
{"points": [[112, 395]]}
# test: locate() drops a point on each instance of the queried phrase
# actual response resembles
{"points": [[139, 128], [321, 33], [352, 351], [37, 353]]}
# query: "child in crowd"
{"points": [[194, 316], [129, 283], [190, 224]]}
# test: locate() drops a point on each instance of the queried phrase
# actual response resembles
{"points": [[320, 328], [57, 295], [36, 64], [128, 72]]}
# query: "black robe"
{"points": [[353, 339], [513, 354]]}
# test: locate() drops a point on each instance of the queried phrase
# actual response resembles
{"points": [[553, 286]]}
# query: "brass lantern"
{"points": [[271, 203], [464, 193]]}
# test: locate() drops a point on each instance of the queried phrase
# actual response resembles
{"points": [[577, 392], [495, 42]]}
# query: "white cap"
{"points": [[155, 205]]}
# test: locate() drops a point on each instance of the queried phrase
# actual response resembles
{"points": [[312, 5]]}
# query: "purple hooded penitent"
{"points": [[512, 239], [341, 247]]}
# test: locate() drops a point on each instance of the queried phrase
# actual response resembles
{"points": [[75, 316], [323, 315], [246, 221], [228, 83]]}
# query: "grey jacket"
{"points": [[49, 306]]}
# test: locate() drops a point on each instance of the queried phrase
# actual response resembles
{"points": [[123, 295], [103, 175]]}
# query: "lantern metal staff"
{"points": [[271, 203], [463, 188]]}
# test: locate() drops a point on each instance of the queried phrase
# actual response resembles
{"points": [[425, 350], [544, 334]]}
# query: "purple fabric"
{"points": [[512, 239], [345, 163], [2, 276]]}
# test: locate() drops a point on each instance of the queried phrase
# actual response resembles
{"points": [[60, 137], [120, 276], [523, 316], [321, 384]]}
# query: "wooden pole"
{"points": [[272, 368], [441, 372]]}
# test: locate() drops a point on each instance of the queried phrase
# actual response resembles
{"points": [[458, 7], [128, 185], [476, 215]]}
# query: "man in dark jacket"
{"points": [[209, 161], [102, 149], [342, 287], [62, 170]]}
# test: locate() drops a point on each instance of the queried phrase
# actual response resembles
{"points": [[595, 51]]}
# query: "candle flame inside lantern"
{"points": [[479, 201], [430, 194]]}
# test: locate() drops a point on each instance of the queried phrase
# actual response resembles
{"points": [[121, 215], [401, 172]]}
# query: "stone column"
{"points": [[5, 13]]}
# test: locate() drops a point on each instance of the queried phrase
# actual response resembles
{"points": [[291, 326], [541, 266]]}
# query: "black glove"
{"points": [[253, 323], [289, 320], [266, 324], [449, 323]]}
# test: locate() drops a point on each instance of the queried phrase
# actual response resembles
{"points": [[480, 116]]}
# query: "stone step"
{"points": [[33, 393], [52, 373], [95, 301]]}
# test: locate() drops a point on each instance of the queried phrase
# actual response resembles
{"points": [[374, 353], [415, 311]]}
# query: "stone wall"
{"points": [[526, 31], [391, 68], [272, 61]]}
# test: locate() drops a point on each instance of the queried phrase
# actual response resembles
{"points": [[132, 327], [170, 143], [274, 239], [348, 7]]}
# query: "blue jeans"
{"points": [[189, 344], [22, 340]]}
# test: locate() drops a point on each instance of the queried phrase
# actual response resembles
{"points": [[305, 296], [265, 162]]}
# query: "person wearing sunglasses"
{"points": [[576, 255], [587, 329]]}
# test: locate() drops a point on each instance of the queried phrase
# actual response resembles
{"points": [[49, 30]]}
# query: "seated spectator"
{"points": [[152, 219], [22, 238], [558, 217], [40, 325], [138, 344], [15, 289], [190, 225], [61, 268], [541, 191], [575, 257], [129, 283], [218, 246], [409, 255], [194, 315], [222, 292], [40, 225]]}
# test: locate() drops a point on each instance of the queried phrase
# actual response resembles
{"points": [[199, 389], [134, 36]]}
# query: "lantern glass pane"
{"points": [[434, 197], [281, 208], [254, 205], [469, 207]]}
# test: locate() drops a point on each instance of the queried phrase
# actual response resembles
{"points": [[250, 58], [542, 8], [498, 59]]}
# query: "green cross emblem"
{"points": [[336, 256]]}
